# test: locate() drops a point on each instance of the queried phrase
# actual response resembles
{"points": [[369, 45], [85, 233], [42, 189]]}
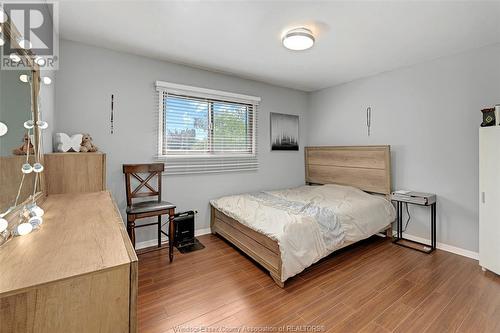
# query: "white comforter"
{"points": [[309, 222]]}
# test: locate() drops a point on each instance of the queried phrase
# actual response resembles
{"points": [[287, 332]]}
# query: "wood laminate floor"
{"points": [[373, 286]]}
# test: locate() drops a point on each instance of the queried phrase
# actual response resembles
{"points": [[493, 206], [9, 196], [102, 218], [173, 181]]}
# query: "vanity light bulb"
{"points": [[36, 211], [3, 16], [28, 124], [37, 167], [42, 124], [40, 61], [2, 42], [3, 225], [24, 43], [14, 57], [24, 78], [46, 80], [24, 229], [35, 221], [26, 168], [3, 129]]}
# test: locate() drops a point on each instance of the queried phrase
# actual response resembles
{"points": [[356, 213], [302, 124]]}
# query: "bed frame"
{"points": [[365, 167]]}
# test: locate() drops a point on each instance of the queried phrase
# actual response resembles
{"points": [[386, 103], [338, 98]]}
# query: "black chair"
{"points": [[150, 208]]}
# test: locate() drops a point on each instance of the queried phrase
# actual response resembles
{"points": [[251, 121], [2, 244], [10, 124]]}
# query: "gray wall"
{"points": [[429, 114], [89, 75]]}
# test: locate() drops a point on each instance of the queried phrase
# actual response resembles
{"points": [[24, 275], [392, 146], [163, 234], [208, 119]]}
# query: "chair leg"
{"points": [[171, 231], [159, 230], [131, 228]]}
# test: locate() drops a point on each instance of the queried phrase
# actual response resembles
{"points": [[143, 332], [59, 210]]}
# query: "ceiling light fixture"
{"points": [[298, 39]]}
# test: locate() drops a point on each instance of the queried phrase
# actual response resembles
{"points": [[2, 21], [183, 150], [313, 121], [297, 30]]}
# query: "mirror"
{"points": [[15, 109], [19, 143]]}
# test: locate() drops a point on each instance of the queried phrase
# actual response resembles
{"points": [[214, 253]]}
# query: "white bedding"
{"points": [[309, 222]]}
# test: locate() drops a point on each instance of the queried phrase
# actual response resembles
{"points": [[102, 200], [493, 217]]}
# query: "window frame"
{"points": [[165, 88]]}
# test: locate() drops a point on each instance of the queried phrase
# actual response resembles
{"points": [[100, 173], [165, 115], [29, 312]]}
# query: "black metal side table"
{"points": [[415, 198]]}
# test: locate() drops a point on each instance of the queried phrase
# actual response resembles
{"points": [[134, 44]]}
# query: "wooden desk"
{"points": [[78, 273]]}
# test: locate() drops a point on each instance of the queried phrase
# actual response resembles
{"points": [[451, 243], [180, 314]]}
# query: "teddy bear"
{"points": [[24, 148], [87, 146]]}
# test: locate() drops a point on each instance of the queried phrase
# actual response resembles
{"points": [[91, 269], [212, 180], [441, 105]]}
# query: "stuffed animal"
{"points": [[24, 148], [87, 146]]}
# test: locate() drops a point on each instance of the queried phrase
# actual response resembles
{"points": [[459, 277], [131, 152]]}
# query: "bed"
{"points": [[345, 200]]}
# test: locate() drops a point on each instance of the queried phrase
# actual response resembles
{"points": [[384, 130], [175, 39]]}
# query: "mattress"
{"points": [[309, 222]]}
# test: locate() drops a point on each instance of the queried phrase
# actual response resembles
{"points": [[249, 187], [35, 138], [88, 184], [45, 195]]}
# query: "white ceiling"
{"points": [[353, 39]]}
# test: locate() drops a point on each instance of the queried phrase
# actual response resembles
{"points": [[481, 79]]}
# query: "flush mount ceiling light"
{"points": [[298, 39]]}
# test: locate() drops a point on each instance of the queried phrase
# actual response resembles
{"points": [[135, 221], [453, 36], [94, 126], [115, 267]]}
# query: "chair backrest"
{"points": [[148, 190]]}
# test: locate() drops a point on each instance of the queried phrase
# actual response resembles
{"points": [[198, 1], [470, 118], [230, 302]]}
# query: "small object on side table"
{"points": [[416, 198]]}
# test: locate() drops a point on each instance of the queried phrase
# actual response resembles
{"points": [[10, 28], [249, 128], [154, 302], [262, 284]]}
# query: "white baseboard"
{"points": [[201, 232], [441, 246], [445, 247], [154, 242]]}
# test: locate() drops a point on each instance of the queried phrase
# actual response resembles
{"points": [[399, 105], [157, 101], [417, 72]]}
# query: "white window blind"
{"points": [[203, 130]]}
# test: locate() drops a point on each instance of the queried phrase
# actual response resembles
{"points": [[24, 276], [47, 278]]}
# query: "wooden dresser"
{"points": [[78, 273], [75, 172]]}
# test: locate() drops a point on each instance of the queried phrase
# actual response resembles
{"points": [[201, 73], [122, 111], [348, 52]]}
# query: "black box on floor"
{"points": [[184, 228], [184, 232]]}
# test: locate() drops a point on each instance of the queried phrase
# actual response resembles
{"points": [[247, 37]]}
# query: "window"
{"points": [[203, 130]]}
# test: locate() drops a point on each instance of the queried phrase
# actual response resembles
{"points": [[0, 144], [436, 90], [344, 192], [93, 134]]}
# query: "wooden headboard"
{"points": [[365, 167]]}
